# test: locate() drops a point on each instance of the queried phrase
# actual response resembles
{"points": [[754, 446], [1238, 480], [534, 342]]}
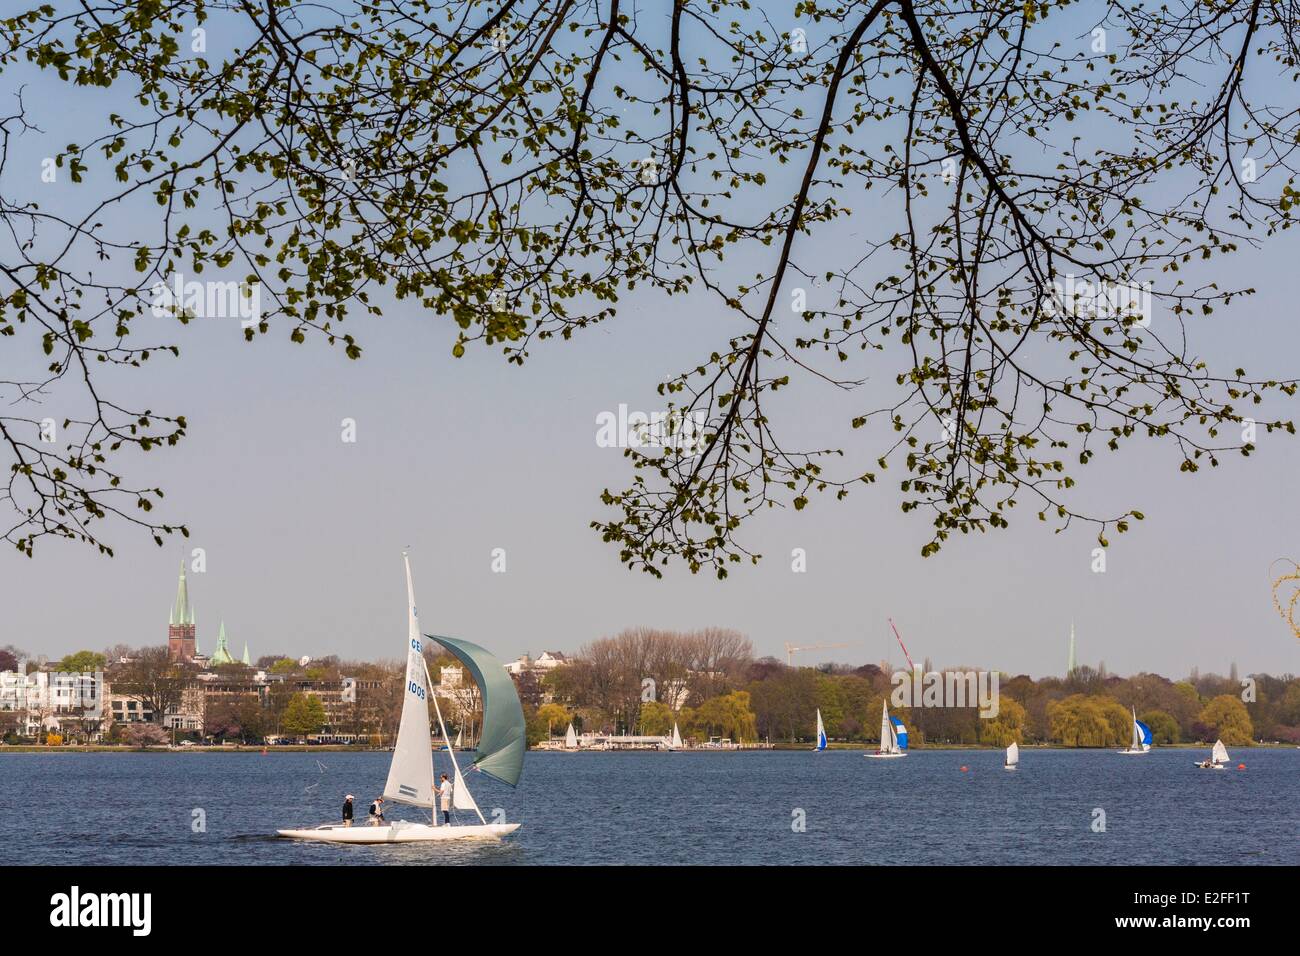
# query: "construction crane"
{"points": [[790, 650]]}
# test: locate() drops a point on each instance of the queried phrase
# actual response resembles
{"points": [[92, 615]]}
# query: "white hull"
{"points": [[1217, 766], [401, 833], [1008, 768], [1133, 753], [884, 756]]}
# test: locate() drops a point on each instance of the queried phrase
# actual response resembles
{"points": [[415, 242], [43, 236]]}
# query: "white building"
{"points": [[45, 697], [548, 661]]}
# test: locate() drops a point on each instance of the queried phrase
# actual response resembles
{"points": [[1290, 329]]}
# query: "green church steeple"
{"points": [[222, 654], [182, 613]]}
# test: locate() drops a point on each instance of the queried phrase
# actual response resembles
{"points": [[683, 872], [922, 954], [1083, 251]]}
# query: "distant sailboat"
{"points": [[460, 738], [893, 735], [570, 739], [410, 774], [675, 742], [1013, 757], [821, 733], [1141, 737], [1218, 759]]}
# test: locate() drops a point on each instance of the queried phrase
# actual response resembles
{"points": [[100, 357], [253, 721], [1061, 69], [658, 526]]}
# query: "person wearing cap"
{"points": [[347, 811], [377, 812]]}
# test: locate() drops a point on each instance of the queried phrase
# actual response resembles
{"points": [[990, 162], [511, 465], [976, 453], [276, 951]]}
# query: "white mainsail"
{"points": [[821, 731], [1137, 734], [888, 745], [677, 737], [1013, 754], [410, 776], [570, 739], [1220, 753], [460, 738]]}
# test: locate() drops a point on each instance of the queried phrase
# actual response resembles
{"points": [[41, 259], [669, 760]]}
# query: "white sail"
{"points": [[570, 739], [1137, 734], [887, 742], [1013, 754], [677, 737], [821, 731], [461, 799], [460, 738], [1220, 753], [410, 775]]}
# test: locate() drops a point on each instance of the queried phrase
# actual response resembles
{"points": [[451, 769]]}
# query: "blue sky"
{"points": [[303, 532]]}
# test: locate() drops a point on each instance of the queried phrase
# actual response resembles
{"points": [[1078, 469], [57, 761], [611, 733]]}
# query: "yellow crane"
{"points": [[791, 650]]}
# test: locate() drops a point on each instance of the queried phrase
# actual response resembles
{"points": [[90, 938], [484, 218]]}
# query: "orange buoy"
{"points": [[963, 768], [1241, 766]]}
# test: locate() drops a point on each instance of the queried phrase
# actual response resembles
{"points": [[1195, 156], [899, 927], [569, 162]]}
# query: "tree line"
{"points": [[709, 683], [642, 681]]}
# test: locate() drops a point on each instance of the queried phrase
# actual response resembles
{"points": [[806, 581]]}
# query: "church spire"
{"points": [[182, 613], [222, 653], [246, 661], [180, 629]]}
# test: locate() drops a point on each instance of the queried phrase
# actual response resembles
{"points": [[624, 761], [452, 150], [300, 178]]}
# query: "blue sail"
{"points": [[900, 732], [821, 741], [1144, 733]]}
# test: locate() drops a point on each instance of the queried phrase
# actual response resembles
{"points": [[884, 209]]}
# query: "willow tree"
{"points": [[999, 212]]}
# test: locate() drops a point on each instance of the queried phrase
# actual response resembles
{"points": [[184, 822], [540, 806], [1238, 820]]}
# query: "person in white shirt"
{"points": [[444, 791]]}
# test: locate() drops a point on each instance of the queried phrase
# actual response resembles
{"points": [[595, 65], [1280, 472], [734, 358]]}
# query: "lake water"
{"points": [[687, 808]]}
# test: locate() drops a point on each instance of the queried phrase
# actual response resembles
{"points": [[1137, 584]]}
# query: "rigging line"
{"points": [[450, 753]]}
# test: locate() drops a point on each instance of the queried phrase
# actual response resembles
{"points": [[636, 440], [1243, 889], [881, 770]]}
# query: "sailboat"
{"points": [[1013, 756], [410, 775], [1141, 737], [1218, 759], [570, 739], [821, 733], [674, 742], [893, 735]]}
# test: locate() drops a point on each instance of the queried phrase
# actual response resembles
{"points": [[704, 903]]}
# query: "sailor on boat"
{"points": [[444, 791], [347, 810], [1218, 759], [377, 812]]}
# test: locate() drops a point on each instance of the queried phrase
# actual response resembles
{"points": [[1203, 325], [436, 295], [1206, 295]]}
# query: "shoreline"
{"points": [[345, 748]]}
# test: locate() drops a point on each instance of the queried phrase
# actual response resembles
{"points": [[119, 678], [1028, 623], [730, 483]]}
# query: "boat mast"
{"points": [[450, 752]]}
